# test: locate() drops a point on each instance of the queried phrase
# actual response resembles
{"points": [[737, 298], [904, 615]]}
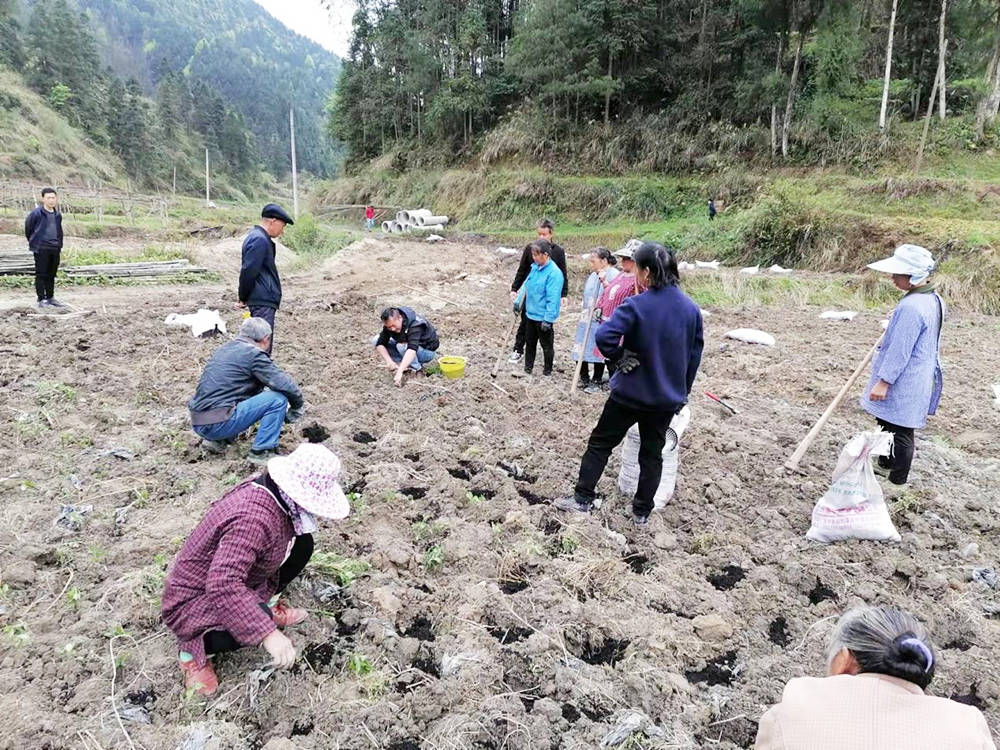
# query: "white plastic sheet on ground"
{"points": [[201, 323], [508, 250], [854, 506], [750, 270], [685, 266], [628, 475], [778, 269], [713, 264], [433, 238], [838, 315], [751, 336]]}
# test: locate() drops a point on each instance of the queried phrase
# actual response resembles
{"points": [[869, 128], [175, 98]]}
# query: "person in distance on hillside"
{"points": [[879, 663], [711, 209], [539, 303], [260, 287], [558, 255], [369, 218], [44, 232], [239, 387], [905, 384], [407, 341], [655, 340], [221, 592]]}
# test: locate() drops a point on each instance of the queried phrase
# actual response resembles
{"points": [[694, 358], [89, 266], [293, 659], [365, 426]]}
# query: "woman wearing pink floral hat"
{"points": [[249, 546]]}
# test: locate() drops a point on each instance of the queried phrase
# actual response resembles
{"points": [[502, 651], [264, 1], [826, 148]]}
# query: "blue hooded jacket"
{"points": [[541, 292]]}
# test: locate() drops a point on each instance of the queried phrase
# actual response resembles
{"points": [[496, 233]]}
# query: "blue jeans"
{"points": [[267, 407], [397, 350]]}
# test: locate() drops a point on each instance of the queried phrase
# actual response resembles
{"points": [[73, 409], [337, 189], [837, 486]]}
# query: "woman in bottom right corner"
{"points": [[879, 663], [905, 384]]}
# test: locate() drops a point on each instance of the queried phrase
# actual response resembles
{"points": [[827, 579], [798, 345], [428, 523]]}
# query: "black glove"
{"points": [[294, 415], [628, 362], [544, 327], [517, 306], [597, 316]]}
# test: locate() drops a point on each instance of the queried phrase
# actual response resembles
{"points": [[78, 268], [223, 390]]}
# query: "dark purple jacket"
{"points": [[34, 230], [227, 569]]}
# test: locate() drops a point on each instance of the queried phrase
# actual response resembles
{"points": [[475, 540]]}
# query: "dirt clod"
{"points": [[421, 629], [459, 473], [638, 562], [319, 655], [531, 497], [414, 492], [510, 635], [971, 698], [718, 671], [728, 577], [362, 436], [609, 651], [315, 433], [777, 631], [821, 592]]}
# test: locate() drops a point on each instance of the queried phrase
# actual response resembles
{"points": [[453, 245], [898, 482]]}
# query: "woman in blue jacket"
{"points": [[655, 341], [541, 296]]}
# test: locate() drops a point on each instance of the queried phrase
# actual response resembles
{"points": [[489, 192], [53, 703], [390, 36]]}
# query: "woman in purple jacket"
{"points": [[654, 339], [249, 546]]}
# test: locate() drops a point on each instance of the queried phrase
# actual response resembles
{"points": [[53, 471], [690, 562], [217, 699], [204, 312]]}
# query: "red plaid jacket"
{"points": [[226, 569]]}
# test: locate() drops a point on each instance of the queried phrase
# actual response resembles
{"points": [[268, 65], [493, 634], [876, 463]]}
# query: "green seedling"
{"points": [[73, 596], [51, 392], [116, 631], [473, 499], [433, 558], [17, 633], [568, 544], [359, 665], [344, 570], [357, 501]]}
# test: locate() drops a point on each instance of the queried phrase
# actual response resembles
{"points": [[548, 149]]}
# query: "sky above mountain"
{"points": [[326, 22]]}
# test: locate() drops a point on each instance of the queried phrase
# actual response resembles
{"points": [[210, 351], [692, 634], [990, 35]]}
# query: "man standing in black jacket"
{"points": [[558, 256], [44, 232], [260, 287]]}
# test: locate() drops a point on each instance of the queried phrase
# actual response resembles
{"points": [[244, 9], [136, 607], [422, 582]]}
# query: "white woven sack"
{"points": [[628, 474], [854, 506]]}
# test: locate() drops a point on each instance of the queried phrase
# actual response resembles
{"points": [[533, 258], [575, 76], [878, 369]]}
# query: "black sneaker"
{"points": [[583, 384], [882, 471], [571, 504], [213, 446], [640, 521], [260, 458]]}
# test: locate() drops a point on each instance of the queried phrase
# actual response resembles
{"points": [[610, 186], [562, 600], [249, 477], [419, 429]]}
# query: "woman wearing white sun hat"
{"points": [[905, 384], [249, 546]]}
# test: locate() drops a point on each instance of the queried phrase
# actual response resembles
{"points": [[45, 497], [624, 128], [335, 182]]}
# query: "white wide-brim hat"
{"points": [[309, 476], [629, 250], [910, 260]]}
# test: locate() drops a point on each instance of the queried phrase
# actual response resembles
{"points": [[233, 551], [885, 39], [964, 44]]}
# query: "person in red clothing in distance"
{"points": [[369, 218], [221, 592]]}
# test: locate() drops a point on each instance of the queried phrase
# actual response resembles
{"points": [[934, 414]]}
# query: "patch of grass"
{"points": [[433, 559], [52, 392], [357, 501], [423, 530], [16, 633], [344, 570], [473, 499]]}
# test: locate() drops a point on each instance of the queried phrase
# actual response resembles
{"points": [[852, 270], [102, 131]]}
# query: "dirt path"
{"points": [[487, 619]]}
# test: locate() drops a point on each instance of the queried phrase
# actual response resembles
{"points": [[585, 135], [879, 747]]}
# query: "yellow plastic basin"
{"points": [[452, 367]]}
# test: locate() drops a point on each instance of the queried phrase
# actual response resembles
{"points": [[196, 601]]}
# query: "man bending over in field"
{"points": [[240, 387]]}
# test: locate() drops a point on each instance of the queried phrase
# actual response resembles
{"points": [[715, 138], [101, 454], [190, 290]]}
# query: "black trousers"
{"points": [[615, 421], [219, 641], [533, 336], [598, 375], [901, 459], [267, 313], [46, 265], [519, 337]]}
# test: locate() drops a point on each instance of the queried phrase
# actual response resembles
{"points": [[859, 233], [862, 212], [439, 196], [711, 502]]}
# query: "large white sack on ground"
{"points": [[854, 506], [508, 250], [750, 270], [628, 474], [433, 238], [201, 323], [778, 269], [838, 315], [685, 266], [751, 336], [713, 264]]}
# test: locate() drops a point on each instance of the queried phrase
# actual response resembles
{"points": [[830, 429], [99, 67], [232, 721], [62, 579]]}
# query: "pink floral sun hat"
{"points": [[308, 475]]}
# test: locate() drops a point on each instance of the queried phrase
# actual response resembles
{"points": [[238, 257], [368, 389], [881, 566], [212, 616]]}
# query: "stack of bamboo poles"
{"points": [[23, 263]]}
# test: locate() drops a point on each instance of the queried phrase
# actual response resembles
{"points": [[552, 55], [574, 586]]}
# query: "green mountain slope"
{"points": [[258, 66]]}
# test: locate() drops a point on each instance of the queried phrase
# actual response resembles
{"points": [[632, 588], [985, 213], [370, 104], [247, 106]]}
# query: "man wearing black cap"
{"points": [[260, 287]]}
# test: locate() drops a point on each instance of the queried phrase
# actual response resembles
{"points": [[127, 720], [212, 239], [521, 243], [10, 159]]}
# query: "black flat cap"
{"points": [[274, 211]]}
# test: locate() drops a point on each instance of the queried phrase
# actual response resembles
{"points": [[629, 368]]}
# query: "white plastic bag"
{"points": [[778, 269], [854, 506], [628, 475], [202, 323], [751, 336], [838, 315], [713, 264], [750, 270]]}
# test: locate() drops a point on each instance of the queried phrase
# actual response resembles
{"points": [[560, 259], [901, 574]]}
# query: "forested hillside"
{"points": [[156, 105], [608, 85], [257, 66]]}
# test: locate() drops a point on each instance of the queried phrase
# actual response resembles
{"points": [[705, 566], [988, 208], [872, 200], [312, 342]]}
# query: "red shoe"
{"points": [[285, 616], [202, 680]]}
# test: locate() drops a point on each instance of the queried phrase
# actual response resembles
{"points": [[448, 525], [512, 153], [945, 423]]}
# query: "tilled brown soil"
{"points": [[487, 619]]}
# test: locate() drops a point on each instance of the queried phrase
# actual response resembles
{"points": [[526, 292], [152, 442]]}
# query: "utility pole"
{"points": [[295, 177], [942, 107], [173, 190], [888, 69], [208, 199]]}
